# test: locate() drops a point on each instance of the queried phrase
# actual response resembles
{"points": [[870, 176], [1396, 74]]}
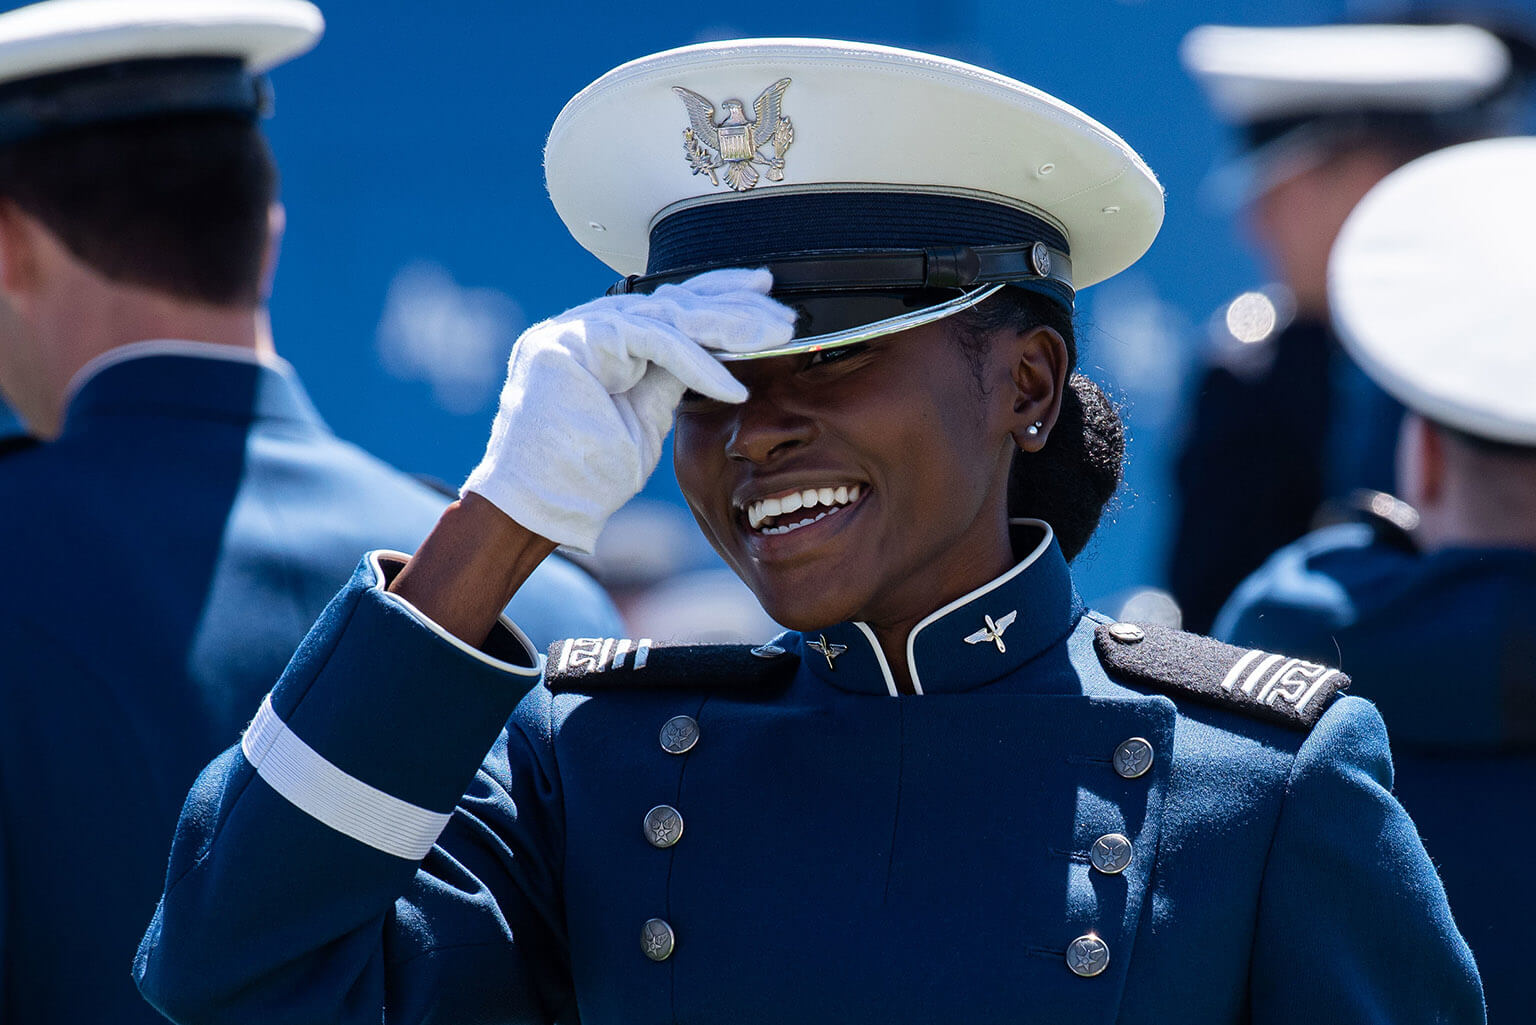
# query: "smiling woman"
{"points": [[948, 792]]}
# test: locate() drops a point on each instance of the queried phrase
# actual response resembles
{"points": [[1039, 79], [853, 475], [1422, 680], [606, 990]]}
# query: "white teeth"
{"points": [[786, 528], [832, 498]]}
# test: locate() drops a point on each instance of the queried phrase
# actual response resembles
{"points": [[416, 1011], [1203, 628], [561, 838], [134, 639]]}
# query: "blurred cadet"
{"points": [[186, 513], [947, 792], [1283, 421], [1429, 604]]}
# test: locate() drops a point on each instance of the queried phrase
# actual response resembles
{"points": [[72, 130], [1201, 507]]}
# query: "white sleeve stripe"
{"points": [[324, 792]]}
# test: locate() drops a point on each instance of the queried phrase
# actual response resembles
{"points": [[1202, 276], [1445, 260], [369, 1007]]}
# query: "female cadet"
{"points": [[948, 793]]}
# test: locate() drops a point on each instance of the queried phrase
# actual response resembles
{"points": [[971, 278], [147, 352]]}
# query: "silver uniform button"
{"points": [[1110, 853], [1127, 633], [1133, 757], [663, 826], [679, 734], [767, 651], [1087, 956], [657, 940]]}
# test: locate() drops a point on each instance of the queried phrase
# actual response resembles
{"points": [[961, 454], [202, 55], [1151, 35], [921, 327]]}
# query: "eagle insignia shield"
{"points": [[735, 146]]}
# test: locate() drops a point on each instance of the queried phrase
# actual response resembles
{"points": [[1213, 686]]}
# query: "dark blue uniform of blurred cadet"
{"points": [[1285, 426], [948, 793], [186, 513], [1428, 603]]}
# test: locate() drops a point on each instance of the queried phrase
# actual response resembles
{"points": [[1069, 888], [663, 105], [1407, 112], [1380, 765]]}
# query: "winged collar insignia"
{"points": [[993, 631]]}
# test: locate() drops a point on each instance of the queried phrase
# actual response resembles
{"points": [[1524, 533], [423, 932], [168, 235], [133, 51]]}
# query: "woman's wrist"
{"points": [[469, 567]]}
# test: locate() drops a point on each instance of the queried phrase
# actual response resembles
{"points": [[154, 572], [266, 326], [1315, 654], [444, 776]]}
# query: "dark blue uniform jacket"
{"points": [[163, 559], [1443, 643], [838, 853], [1340, 436]]}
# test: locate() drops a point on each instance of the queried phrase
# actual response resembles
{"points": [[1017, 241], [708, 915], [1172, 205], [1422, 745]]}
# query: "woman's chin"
{"points": [[803, 610]]}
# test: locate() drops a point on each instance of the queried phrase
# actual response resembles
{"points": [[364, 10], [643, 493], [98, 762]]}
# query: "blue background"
{"points": [[420, 239]]}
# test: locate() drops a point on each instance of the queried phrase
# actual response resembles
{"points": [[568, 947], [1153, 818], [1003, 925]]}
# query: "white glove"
{"points": [[590, 395]]}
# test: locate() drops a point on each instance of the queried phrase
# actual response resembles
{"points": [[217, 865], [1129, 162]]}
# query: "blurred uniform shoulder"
{"points": [[1250, 682]]}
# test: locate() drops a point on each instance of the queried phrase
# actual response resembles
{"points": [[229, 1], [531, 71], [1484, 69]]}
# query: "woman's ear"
{"points": [[1038, 359]]}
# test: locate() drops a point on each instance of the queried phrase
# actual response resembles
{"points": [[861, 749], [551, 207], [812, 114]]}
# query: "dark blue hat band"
{"points": [[125, 90], [754, 230]]}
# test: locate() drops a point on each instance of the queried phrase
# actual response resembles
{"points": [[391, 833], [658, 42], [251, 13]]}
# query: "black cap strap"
{"points": [[875, 270]]}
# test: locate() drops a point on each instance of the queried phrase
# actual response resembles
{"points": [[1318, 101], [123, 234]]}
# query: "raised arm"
{"points": [[333, 866]]}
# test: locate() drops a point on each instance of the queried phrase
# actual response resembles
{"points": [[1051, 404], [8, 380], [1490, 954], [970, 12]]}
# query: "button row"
{"points": [[664, 827], [1111, 853]]}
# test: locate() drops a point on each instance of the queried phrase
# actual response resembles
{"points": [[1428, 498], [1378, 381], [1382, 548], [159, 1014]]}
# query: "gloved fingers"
{"points": [[693, 366], [727, 310], [726, 281]]}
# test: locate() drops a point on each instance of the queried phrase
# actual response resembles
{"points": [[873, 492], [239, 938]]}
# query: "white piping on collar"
{"points": [[885, 667], [1021, 566], [173, 347]]}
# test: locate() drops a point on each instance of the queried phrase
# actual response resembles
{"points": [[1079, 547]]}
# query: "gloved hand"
{"points": [[590, 395]]}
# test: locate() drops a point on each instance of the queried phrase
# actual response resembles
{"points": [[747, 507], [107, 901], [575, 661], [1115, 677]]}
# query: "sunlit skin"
{"points": [[903, 418]]}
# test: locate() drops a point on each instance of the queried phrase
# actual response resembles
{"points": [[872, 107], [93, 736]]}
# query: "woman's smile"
{"points": [[864, 483]]}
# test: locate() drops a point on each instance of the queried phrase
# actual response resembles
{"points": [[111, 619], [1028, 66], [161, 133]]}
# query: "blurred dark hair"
{"points": [[177, 203], [1070, 481]]}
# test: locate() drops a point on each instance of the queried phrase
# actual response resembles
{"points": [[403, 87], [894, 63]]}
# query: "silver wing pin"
{"points": [[993, 631]]}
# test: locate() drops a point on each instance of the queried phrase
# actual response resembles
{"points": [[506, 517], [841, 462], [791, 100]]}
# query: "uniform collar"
{"points": [[974, 640], [198, 380]]}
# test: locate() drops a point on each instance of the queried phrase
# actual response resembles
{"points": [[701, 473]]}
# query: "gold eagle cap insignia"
{"points": [[737, 147]]}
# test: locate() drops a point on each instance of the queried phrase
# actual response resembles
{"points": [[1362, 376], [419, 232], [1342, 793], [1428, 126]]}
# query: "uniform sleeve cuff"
{"points": [[381, 719]]}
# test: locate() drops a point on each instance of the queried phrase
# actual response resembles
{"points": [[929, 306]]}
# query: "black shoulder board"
{"points": [[610, 663], [1276, 688]]}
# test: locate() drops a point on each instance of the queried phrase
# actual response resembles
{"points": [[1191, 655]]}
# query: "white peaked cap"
{"points": [[1261, 74], [1432, 290], [865, 118], [63, 35]]}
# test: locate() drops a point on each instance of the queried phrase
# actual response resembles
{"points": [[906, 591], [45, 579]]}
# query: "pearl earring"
{"points": [[1034, 428]]}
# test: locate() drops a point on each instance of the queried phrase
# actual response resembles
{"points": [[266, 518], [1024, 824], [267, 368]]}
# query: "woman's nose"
{"points": [[766, 427]]}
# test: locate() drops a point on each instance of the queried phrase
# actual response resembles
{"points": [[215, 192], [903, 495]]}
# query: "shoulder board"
{"points": [[608, 663], [1288, 691]]}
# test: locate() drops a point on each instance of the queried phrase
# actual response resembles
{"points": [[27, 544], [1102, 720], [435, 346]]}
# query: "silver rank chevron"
{"points": [[993, 631], [735, 145]]}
